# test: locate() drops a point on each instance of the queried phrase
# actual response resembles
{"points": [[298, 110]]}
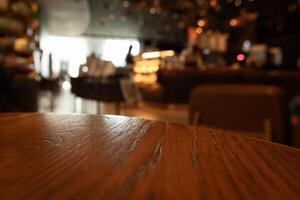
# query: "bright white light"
{"points": [[246, 45], [115, 50], [158, 54], [74, 50], [85, 69], [148, 55], [206, 51], [70, 49], [66, 85]]}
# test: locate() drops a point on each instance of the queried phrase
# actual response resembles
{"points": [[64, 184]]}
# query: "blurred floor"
{"points": [[65, 103]]}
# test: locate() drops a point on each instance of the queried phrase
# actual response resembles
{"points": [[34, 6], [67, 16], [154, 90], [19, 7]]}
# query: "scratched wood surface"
{"points": [[109, 157]]}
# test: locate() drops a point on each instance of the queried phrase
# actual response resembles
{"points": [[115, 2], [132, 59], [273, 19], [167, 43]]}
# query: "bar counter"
{"points": [[174, 86]]}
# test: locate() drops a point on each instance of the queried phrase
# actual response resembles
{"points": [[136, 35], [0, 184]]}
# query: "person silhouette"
{"points": [[129, 57]]}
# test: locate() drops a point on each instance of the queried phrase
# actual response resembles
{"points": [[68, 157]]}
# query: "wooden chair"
{"points": [[252, 108]]}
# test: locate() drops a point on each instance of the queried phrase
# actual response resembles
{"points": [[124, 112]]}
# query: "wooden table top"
{"points": [[47, 156]]}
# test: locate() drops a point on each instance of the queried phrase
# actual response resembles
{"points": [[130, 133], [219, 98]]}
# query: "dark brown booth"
{"points": [[258, 110], [98, 89], [174, 86]]}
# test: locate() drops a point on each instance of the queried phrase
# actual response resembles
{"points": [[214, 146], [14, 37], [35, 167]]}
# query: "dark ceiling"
{"points": [[164, 19]]}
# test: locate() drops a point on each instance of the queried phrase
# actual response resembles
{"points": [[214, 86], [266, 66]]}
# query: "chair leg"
{"points": [[268, 129], [84, 106], [98, 108], [74, 104], [52, 102], [191, 116], [194, 117], [118, 108], [124, 109]]}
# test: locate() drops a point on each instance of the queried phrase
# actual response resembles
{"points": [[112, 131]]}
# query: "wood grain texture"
{"points": [[47, 156]]}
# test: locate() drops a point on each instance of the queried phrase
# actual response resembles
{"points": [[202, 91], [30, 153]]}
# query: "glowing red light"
{"points": [[240, 57]]}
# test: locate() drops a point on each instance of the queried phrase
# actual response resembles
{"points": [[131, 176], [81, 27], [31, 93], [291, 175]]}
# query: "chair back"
{"points": [[105, 89], [251, 108]]}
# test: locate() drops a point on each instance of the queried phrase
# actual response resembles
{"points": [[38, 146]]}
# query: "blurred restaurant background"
{"points": [[233, 64]]}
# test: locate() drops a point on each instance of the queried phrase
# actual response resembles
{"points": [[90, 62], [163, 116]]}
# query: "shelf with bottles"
{"points": [[22, 54], [12, 27], [11, 61], [16, 16], [22, 9], [17, 67], [19, 26], [20, 46]]}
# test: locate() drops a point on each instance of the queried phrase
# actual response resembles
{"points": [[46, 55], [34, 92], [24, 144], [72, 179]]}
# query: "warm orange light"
{"points": [[199, 30], [213, 3], [147, 66], [201, 23], [34, 7], [145, 79], [145, 71], [21, 44], [233, 22], [168, 53], [238, 3]]}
